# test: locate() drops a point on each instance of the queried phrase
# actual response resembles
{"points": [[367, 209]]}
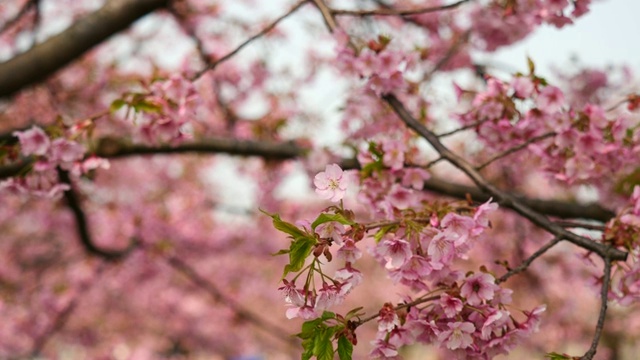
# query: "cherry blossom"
{"points": [[331, 184]]}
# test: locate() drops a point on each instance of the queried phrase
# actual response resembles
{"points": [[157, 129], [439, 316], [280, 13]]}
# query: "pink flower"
{"points": [[441, 249], [522, 87], [395, 251], [479, 287], [304, 312], [387, 318], [33, 141], [349, 252], [331, 230], [458, 336], [331, 184], [550, 99], [65, 151], [394, 154], [415, 178], [382, 349], [400, 197], [291, 294], [351, 277], [328, 296], [450, 305]]}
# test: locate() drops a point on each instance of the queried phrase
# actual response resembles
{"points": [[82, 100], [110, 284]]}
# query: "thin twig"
{"points": [[466, 127], [401, 306], [525, 264], [395, 12], [459, 41], [515, 149], [603, 310], [242, 312], [214, 64]]}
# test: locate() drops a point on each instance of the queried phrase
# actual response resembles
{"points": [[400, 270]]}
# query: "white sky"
{"points": [[607, 35]]}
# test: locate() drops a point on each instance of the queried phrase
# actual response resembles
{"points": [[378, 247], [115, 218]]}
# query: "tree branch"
{"points": [[397, 12], [73, 202], [525, 264], [603, 311], [56, 52], [212, 65], [501, 196], [111, 148]]}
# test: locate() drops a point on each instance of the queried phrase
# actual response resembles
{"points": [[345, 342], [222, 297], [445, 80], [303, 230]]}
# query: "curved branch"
{"points": [[501, 196], [83, 228], [56, 52]]}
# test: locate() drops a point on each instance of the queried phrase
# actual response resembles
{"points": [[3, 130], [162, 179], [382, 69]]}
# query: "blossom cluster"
{"points": [[49, 154], [164, 110], [622, 232], [465, 314], [575, 145]]}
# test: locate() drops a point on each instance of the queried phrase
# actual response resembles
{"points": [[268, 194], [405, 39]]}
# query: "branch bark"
{"points": [[44, 59], [538, 219], [111, 148]]}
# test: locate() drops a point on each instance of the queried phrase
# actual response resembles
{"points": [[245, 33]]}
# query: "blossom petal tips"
{"points": [[331, 183]]}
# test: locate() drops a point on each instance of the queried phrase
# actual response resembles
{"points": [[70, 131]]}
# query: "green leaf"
{"points": [[323, 347], [146, 106], [308, 346], [531, 66], [284, 226], [281, 252], [327, 315], [353, 313], [298, 253], [380, 233], [117, 105], [310, 327], [325, 218], [345, 348]]}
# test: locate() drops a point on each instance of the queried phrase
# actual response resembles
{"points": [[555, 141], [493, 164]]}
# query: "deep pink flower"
{"points": [[479, 287], [387, 318], [395, 251], [331, 184], [450, 305]]}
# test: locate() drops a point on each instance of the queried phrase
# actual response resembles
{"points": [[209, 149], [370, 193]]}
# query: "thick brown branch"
{"points": [[556, 208], [113, 148], [46, 58], [501, 196]]}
